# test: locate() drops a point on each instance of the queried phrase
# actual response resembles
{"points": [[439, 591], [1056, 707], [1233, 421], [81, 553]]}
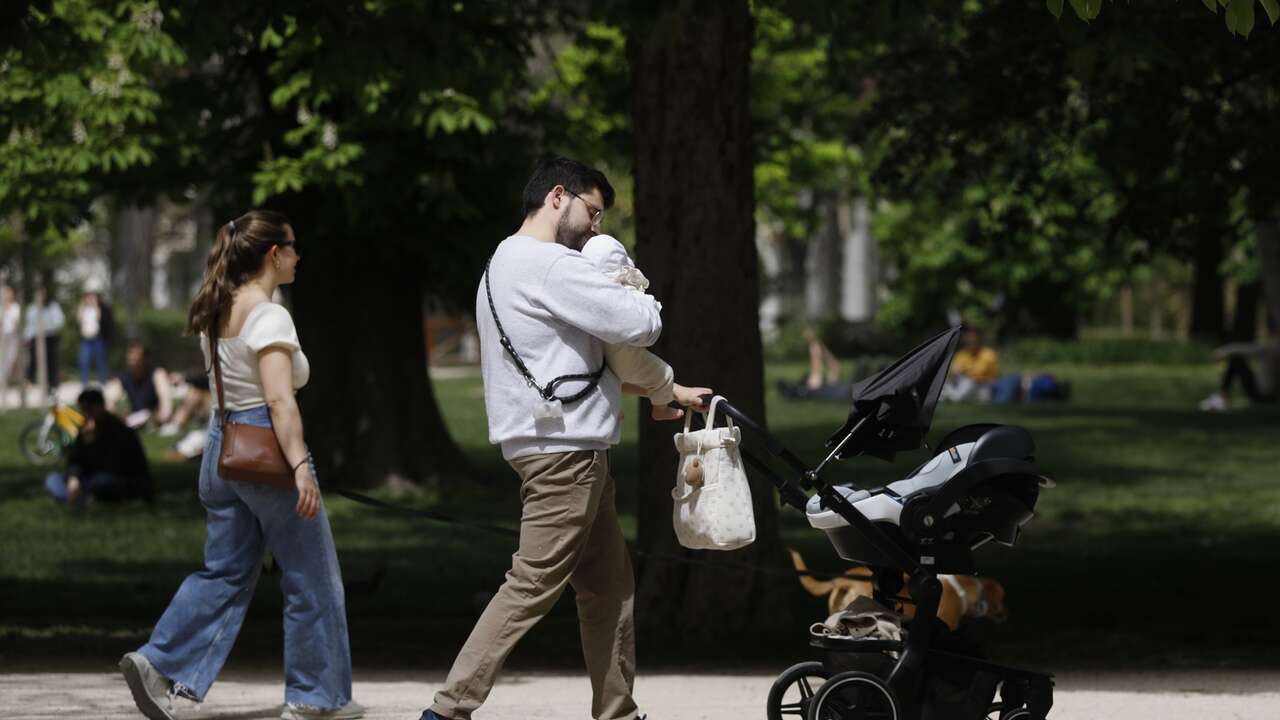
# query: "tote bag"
{"points": [[712, 508]]}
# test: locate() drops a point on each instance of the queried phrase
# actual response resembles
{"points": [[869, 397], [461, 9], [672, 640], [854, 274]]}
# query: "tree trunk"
{"points": [[823, 263], [694, 229], [370, 413], [1126, 311], [1244, 319], [131, 246], [1268, 230], [1208, 310]]}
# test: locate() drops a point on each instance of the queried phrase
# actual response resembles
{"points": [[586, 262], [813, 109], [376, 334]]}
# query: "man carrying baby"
{"points": [[544, 314]]}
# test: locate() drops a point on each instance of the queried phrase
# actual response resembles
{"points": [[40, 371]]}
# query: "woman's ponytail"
{"points": [[237, 255]]}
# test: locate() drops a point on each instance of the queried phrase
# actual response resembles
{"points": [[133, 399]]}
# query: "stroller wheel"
{"points": [[854, 695], [793, 691]]}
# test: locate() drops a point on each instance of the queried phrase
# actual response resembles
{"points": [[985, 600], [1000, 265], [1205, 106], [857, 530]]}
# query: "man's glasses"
{"points": [[597, 214]]}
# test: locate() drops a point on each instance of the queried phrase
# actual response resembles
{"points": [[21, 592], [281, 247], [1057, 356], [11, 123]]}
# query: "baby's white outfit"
{"points": [[630, 363]]}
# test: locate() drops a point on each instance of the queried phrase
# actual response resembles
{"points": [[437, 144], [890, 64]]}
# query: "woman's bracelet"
{"points": [[301, 462]]}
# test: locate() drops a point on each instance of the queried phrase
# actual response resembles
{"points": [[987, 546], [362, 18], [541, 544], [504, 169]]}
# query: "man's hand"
{"points": [[73, 490]]}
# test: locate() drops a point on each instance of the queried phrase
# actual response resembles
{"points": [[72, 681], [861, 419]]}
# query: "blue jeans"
{"points": [[93, 351], [104, 486], [191, 641]]}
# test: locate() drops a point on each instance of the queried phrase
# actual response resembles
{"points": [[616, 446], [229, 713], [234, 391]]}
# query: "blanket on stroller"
{"points": [[863, 619]]}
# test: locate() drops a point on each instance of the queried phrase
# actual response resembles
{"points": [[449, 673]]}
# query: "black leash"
{"points": [[427, 514], [504, 531]]}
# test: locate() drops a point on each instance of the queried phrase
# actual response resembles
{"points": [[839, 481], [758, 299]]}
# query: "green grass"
{"points": [[1157, 547]]}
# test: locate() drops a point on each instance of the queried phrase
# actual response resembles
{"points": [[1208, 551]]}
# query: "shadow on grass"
{"points": [[1123, 570]]}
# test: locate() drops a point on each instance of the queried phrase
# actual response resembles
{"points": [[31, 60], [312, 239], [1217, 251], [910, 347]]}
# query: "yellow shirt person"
{"points": [[980, 364]]}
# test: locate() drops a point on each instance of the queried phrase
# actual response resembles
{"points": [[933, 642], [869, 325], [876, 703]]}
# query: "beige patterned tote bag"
{"points": [[712, 508]]}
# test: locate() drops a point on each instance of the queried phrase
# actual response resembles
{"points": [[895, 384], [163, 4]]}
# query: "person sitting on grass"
{"points": [[147, 388], [823, 381], [106, 461], [1259, 386], [973, 369]]}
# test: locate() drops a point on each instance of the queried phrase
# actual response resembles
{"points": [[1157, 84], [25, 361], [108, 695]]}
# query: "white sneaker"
{"points": [[150, 689], [350, 711], [168, 430], [1214, 403]]}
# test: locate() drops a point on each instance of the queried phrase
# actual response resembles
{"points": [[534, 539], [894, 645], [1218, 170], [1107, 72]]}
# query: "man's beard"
{"points": [[569, 236]]}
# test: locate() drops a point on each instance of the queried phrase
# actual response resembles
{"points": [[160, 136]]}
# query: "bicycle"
{"points": [[44, 441]]}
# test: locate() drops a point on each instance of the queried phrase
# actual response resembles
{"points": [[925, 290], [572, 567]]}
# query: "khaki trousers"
{"points": [[569, 535]]}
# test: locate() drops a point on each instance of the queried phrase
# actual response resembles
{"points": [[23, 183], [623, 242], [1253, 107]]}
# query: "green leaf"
{"points": [[1055, 7], [1081, 7], [270, 39], [1273, 10], [1212, 5], [1242, 11]]}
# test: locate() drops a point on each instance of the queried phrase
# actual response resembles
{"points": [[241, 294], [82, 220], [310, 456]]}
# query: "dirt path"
{"points": [[1181, 695]]}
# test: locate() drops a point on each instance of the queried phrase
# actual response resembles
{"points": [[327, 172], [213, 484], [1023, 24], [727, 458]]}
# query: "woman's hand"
{"points": [[308, 492]]}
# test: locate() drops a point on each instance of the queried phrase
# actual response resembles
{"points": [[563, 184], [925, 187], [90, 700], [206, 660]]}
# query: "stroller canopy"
{"points": [[898, 402]]}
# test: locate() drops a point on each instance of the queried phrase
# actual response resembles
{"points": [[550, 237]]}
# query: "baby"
{"points": [[634, 365]]}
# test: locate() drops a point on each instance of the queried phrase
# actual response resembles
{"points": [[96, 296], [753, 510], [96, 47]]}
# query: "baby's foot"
{"points": [[666, 412]]}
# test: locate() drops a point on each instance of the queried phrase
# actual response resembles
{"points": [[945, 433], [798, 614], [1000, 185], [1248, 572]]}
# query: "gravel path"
{"points": [[1180, 695]]}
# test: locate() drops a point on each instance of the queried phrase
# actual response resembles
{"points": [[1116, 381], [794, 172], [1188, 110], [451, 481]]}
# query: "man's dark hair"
{"points": [[91, 398], [573, 175]]}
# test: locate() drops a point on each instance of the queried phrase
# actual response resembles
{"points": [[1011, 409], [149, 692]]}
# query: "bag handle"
{"points": [[711, 416], [711, 413]]}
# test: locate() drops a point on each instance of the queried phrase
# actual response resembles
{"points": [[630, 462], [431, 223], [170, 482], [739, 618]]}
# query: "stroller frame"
{"points": [[1024, 694]]}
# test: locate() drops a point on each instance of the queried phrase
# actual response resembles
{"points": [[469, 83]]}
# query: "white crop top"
{"points": [[267, 325]]}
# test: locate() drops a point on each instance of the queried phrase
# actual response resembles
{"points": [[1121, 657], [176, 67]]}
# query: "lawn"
{"points": [[1158, 547]]}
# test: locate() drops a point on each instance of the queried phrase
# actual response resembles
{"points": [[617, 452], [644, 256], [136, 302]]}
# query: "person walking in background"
{"points": [[10, 342], [44, 319], [93, 322], [261, 366]]}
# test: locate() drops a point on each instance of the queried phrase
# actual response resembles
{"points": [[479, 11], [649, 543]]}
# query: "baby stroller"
{"points": [[980, 485]]}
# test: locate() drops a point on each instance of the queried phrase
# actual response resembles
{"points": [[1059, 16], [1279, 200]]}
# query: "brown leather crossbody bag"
{"points": [[250, 453]]}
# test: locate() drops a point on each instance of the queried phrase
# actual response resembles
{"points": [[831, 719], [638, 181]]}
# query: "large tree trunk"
{"points": [[694, 229], [1268, 229], [131, 247], [370, 413], [1207, 306], [1244, 319]]}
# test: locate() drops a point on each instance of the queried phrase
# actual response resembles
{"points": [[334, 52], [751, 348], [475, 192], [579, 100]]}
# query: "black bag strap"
{"points": [[548, 392]]}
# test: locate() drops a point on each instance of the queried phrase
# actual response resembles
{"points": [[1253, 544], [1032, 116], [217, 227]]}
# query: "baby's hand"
{"points": [[690, 396], [666, 412]]}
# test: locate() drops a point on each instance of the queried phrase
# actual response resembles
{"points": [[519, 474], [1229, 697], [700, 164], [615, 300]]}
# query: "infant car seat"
{"points": [[981, 485]]}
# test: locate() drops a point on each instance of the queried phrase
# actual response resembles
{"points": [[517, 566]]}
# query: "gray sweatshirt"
{"points": [[559, 311]]}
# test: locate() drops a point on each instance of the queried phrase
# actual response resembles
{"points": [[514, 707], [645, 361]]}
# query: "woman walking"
{"points": [[261, 367], [10, 343]]}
